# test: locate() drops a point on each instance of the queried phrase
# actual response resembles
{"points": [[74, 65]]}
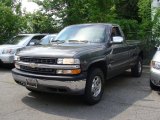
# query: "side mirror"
{"points": [[51, 40], [31, 43], [117, 39]]}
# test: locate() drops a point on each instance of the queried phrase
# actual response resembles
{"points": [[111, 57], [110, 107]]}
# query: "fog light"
{"points": [[73, 72], [59, 71]]}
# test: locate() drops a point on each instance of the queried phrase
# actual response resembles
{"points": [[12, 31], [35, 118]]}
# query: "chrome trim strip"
{"points": [[35, 65]]}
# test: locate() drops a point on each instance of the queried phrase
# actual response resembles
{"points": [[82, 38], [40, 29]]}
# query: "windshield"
{"points": [[83, 33], [47, 39], [18, 40]]}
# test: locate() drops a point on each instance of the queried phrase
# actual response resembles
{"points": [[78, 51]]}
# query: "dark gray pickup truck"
{"points": [[79, 61]]}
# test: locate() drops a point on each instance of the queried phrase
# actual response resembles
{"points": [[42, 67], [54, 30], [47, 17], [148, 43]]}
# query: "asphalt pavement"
{"points": [[125, 98]]}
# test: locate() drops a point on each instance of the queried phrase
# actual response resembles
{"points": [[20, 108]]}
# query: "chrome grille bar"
{"points": [[36, 65]]}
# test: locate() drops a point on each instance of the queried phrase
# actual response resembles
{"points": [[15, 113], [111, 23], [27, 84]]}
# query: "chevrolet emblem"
{"points": [[33, 65]]}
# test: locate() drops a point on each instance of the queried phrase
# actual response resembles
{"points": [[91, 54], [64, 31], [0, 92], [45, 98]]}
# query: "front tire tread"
{"points": [[88, 94]]}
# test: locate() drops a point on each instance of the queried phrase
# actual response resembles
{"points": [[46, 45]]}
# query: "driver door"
{"points": [[119, 57]]}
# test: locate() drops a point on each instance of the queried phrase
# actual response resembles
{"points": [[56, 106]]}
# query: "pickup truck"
{"points": [[79, 61]]}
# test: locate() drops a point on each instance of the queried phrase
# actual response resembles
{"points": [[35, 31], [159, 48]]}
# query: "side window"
{"points": [[35, 40], [115, 32]]}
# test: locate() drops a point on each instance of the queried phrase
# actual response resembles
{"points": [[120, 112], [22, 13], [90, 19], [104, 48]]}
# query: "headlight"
{"points": [[68, 61], [17, 66], [9, 51], [155, 65], [16, 58]]}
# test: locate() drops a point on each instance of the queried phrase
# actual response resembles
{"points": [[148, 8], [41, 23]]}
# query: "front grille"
{"points": [[46, 71], [38, 60]]}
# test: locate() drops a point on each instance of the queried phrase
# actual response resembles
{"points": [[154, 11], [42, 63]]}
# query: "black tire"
{"points": [[136, 70], [94, 74], [153, 87]]}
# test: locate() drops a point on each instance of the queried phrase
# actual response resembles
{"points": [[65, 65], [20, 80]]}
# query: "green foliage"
{"points": [[145, 14], [75, 12], [129, 28], [40, 23], [127, 9], [156, 27], [7, 3], [10, 24], [83, 11], [14, 5], [145, 31]]}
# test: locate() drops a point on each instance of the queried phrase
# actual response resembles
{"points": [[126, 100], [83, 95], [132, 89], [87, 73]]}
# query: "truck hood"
{"points": [[8, 46], [61, 50]]}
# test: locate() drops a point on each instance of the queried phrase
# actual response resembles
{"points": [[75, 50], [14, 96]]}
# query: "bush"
{"points": [[10, 24]]}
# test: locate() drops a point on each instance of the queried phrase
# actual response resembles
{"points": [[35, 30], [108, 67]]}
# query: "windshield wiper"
{"points": [[80, 41], [57, 41]]}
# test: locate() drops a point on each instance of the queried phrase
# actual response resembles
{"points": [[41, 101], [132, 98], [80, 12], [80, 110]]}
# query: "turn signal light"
{"points": [[73, 72]]}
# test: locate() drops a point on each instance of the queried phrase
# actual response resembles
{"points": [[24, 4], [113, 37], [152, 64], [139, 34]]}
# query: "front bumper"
{"points": [[7, 58], [56, 84], [155, 77]]}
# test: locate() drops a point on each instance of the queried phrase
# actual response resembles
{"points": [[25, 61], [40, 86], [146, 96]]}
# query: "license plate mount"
{"points": [[31, 82]]}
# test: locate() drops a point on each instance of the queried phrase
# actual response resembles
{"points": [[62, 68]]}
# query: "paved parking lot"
{"points": [[125, 98]]}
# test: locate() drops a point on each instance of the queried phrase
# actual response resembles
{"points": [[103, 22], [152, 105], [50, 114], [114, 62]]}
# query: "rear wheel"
{"points": [[136, 70], [94, 86]]}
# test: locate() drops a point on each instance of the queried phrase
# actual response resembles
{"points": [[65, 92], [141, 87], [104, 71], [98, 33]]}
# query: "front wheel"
{"points": [[136, 70], [94, 86], [153, 87]]}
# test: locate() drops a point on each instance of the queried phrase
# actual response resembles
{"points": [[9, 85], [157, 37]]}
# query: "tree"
{"points": [[68, 12], [156, 27], [14, 5], [145, 30], [10, 23], [7, 3], [40, 23], [145, 14], [127, 9]]}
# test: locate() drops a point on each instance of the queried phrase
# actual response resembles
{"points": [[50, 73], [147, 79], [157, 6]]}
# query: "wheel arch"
{"points": [[101, 65], [141, 54]]}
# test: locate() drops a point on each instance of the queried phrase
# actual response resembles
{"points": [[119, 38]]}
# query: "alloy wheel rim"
{"points": [[96, 86]]}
